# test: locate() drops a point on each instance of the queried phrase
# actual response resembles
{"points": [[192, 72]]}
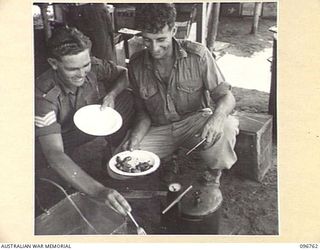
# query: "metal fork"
{"points": [[140, 230]]}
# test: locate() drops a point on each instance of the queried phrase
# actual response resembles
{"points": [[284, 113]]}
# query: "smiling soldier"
{"points": [[72, 82], [181, 95]]}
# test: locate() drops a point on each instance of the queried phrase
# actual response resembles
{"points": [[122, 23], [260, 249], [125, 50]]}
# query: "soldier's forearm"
{"points": [[73, 174], [121, 83], [225, 105], [142, 126]]}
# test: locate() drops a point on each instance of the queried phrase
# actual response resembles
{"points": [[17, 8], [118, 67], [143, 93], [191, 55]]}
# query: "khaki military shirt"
{"points": [[195, 78], [55, 104]]}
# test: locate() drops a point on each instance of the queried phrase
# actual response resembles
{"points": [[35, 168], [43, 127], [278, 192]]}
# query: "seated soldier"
{"points": [[180, 93], [72, 82]]}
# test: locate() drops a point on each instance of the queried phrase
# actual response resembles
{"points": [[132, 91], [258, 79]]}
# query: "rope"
{"points": [[72, 202]]}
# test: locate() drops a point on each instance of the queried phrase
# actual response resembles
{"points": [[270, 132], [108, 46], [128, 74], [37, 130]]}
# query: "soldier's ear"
{"points": [[174, 30], [53, 63]]}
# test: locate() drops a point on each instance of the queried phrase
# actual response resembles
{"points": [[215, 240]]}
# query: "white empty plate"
{"points": [[93, 121]]}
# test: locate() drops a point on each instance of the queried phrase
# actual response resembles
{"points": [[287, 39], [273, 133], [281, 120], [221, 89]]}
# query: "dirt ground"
{"points": [[249, 207], [236, 31]]}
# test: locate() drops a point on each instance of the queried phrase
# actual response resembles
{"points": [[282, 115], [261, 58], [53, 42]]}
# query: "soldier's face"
{"points": [[160, 44], [73, 69]]}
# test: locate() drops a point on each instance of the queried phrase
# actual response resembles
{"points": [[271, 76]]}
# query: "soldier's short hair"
{"points": [[153, 17], [67, 41]]}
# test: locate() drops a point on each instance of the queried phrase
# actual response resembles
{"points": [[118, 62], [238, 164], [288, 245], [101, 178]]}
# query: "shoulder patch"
{"points": [[193, 47]]}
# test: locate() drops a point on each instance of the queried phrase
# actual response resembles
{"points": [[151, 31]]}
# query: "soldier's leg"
{"points": [[159, 140], [221, 154]]}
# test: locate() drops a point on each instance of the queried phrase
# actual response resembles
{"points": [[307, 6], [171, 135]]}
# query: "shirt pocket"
{"points": [[189, 95], [190, 86], [152, 99], [146, 92]]}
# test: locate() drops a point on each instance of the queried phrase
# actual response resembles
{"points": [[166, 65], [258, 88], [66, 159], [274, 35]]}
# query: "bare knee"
{"points": [[231, 127]]}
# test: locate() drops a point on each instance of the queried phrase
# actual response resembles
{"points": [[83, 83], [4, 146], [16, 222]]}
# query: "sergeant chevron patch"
{"points": [[46, 120]]}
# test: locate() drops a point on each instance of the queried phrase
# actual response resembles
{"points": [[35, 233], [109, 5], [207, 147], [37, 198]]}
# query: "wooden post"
{"points": [[208, 16], [201, 21], [213, 24], [272, 108], [46, 24], [257, 12], [59, 12]]}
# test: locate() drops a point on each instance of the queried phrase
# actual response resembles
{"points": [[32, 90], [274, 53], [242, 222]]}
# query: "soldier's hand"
{"points": [[114, 200], [132, 143], [108, 101], [213, 129]]}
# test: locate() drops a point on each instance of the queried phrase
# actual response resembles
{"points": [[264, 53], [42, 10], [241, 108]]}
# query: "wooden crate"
{"points": [[254, 145]]}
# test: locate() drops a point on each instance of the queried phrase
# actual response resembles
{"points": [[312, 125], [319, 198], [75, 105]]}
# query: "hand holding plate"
{"points": [[108, 101], [132, 143], [92, 120]]}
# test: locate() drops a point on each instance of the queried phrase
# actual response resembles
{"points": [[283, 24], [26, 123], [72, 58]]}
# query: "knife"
{"points": [[202, 141]]}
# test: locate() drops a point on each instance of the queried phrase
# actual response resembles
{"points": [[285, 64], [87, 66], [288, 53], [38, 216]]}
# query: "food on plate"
{"points": [[125, 166]]}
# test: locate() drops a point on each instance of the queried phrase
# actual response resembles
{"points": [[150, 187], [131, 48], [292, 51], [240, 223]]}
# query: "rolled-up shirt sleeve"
{"points": [[45, 117], [133, 82], [106, 71], [213, 77]]}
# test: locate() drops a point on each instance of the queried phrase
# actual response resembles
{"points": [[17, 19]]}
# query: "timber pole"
{"points": [[213, 24], [257, 12], [46, 24]]}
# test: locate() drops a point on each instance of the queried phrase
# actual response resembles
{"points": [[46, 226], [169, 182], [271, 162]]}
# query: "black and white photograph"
{"points": [[155, 118]]}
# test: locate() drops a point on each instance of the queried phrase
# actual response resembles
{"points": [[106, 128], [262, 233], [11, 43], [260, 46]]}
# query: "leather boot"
{"points": [[211, 182], [213, 176], [170, 170]]}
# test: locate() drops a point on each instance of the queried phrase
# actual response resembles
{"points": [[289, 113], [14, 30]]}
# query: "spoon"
{"points": [[140, 230]]}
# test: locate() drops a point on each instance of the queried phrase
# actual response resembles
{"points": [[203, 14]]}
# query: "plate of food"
{"points": [[93, 121], [134, 163]]}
